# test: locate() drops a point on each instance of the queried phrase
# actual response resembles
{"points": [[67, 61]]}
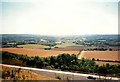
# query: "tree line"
{"points": [[64, 62]]}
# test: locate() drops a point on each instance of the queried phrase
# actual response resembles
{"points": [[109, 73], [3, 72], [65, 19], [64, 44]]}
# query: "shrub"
{"points": [[57, 76]]}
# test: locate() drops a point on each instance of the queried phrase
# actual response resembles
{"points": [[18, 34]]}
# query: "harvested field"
{"points": [[100, 63], [75, 48], [101, 55], [37, 52], [79, 48]]}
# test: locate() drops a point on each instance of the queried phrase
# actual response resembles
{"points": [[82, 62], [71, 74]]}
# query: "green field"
{"points": [[65, 45], [33, 46], [38, 46]]}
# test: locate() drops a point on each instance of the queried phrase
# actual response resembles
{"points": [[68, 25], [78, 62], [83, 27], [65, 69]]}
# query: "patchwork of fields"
{"points": [[97, 55], [75, 48], [38, 46]]}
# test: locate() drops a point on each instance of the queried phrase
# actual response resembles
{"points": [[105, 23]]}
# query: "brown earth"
{"points": [[75, 48], [37, 52], [101, 55], [80, 48], [100, 63]]}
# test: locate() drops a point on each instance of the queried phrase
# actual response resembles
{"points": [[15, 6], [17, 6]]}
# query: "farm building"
{"points": [[101, 55]]}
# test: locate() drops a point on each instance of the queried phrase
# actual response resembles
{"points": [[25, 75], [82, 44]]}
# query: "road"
{"points": [[64, 75]]}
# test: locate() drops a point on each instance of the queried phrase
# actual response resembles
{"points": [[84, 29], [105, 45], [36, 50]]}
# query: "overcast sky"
{"points": [[59, 17]]}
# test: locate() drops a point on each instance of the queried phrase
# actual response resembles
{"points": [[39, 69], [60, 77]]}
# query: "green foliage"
{"points": [[57, 76], [63, 62], [12, 74], [5, 74]]}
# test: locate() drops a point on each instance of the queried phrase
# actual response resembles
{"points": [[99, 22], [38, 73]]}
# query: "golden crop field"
{"points": [[101, 55], [37, 52]]}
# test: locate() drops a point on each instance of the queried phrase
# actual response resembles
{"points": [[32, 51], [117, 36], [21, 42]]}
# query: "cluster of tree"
{"points": [[21, 43], [98, 42], [100, 49], [63, 62]]}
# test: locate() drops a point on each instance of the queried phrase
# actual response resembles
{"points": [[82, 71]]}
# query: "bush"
{"points": [[57, 76], [62, 61]]}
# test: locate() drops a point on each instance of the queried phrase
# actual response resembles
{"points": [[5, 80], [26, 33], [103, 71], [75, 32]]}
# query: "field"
{"points": [[38, 46], [37, 52], [9, 73], [74, 48], [64, 45], [33, 46], [101, 55], [100, 63]]}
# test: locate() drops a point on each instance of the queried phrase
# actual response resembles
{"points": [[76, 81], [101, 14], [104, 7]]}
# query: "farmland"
{"points": [[33, 46], [38, 46], [101, 63], [93, 54], [37, 52], [101, 55], [62, 62], [75, 48], [64, 45]]}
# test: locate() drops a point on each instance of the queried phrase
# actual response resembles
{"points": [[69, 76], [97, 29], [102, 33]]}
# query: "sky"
{"points": [[59, 17]]}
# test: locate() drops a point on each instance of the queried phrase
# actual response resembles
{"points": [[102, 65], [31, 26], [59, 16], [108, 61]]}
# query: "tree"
{"points": [[38, 62], [102, 71], [52, 60]]}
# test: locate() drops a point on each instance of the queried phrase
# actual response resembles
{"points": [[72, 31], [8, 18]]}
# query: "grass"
{"points": [[33, 46], [19, 74], [38, 46], [65, 45]]}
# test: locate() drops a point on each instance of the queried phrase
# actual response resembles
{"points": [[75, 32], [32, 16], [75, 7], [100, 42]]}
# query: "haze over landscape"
{"points": [[59, 40], [62, 17]]}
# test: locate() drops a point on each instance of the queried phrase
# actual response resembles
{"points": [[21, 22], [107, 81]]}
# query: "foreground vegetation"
{"points": [[9, 73], [64, 62]]}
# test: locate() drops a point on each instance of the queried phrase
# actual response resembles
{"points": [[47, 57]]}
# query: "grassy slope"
{"points": [[22, 74]]}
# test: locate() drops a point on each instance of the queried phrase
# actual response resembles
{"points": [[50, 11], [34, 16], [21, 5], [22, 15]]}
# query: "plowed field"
{"points": [[101, 55], [37, 52]]}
